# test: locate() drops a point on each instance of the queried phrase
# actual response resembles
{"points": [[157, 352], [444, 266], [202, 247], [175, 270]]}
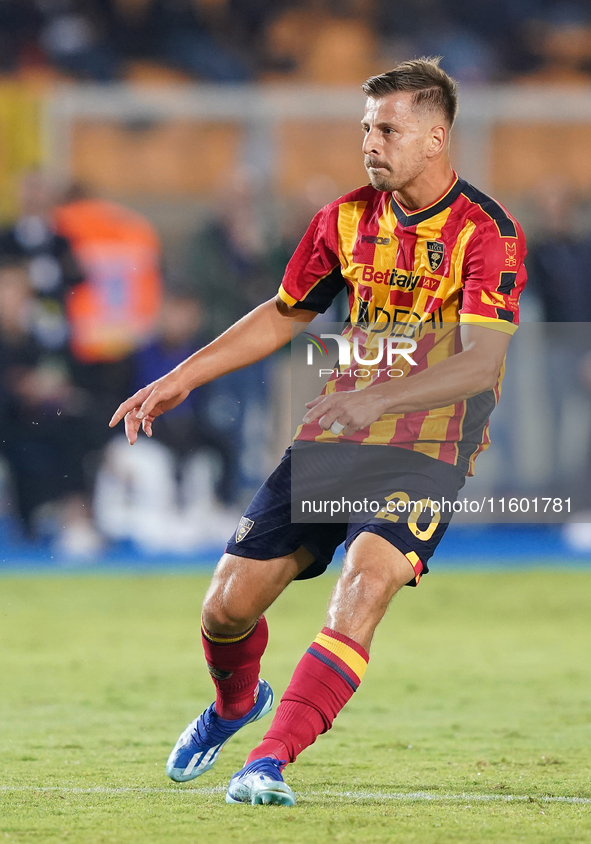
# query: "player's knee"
{"points": [[365, 583], [374, 580], [377, 563], [227, 609], [221, 616]]}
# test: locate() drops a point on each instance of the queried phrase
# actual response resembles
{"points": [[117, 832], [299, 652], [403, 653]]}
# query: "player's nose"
{"points": [[371, 142]]}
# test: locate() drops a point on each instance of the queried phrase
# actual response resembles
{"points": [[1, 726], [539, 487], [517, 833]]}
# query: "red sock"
{"points": [[324, 680], [234, 663]]}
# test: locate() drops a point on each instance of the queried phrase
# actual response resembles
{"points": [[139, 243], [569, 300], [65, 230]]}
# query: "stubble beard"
{"points": [[389, 182], [382, 182]]}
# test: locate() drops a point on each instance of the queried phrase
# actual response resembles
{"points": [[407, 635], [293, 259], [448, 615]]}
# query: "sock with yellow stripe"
{"points": [[324, 680], [234, 663]]}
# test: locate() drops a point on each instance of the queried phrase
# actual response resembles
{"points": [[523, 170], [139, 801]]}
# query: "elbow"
{"points": [[283, 308], [488, 378]]}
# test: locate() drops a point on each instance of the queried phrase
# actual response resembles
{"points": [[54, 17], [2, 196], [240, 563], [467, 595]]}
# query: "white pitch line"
{"points": [[402, 796], [99, 789], [426, 797]]}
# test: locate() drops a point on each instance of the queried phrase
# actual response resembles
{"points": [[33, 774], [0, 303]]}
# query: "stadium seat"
{"points": [[524, 154], [327, 148], [341, 52], [325, 49], [174, 158], [152, 73]]}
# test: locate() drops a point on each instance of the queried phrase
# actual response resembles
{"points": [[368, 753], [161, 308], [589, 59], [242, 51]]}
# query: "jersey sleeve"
{"points": [[494, 276], [313, 276]]}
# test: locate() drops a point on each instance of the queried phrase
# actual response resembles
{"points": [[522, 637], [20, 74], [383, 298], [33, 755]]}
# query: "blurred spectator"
{"points": [[332, 41], [42, 423], [324, 41], [116, 308], [317, 192], [558, 261], [161, 495], [54, 273], [559, 36], [181, 34], [188, 427], [114, 311], [558, 271], [81, 37], [231, 261], [18, 31], [251, 19]]}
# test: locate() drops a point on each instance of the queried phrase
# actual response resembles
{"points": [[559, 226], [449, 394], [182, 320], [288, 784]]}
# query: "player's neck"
{"points": [[426, 189]]}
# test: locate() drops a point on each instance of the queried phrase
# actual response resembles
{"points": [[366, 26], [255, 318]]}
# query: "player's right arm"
{"points": [[257, 335]]}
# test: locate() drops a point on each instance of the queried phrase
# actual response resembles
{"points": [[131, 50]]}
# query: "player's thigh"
{"points": [[242, 589], [408, 491]]}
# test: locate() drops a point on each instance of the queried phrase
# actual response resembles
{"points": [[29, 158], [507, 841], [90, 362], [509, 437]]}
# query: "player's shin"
{"points": [[234, 663], [322, 683]]}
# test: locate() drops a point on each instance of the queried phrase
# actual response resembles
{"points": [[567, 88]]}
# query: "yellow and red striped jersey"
{"points": [[458, 261]]}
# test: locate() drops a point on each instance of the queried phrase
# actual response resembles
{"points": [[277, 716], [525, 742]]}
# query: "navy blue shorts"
{"points": [[274, 526]]}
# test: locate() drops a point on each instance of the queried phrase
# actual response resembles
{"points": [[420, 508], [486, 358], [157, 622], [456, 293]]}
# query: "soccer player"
{"points": [[415, 247]]}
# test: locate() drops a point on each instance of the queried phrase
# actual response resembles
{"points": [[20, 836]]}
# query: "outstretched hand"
{"points": [[144, 406]]}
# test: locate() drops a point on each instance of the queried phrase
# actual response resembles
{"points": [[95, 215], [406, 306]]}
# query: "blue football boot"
{"points": [[260, 783], [200, 744]]}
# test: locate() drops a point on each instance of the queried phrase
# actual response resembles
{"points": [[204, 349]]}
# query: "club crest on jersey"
{"points": [[244, 525], [435, 252]]}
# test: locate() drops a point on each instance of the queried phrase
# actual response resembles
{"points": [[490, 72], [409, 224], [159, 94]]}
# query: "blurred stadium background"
{"points": [[159, 161]]}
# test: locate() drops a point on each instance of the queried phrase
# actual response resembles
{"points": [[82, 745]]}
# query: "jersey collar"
{"points": [[416, 217]]}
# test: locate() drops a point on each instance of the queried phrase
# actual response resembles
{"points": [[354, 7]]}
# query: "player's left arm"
{"points": [[473, 370]]}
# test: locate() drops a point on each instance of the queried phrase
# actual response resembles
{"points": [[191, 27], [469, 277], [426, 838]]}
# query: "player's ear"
{"points": [[437, 140]]}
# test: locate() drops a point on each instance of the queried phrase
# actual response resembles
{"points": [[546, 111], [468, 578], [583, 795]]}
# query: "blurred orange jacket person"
{"points": [[115, 309]]}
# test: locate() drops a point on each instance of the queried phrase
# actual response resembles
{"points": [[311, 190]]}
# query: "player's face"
{"points": [[397, 140]]}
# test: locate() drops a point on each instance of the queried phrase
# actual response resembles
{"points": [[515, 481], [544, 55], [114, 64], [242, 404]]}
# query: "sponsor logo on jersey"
{"points": [[244, 526], [379, 241], [396, 278], [435, 253]]}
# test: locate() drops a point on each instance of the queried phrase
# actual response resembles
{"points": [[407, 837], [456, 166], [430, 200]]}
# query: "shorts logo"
{"points": [[244, 525], [435, 253]]}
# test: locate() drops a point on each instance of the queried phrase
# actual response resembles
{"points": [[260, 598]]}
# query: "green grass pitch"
{"points": [[473, 723]]}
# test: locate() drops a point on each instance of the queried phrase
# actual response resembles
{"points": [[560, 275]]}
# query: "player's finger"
{"points": [[334, 415], [350, 429], [127, 406], [314, 402], [121, 411], [147, 425], [132, 426], [150, 402], [320, 408]]}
